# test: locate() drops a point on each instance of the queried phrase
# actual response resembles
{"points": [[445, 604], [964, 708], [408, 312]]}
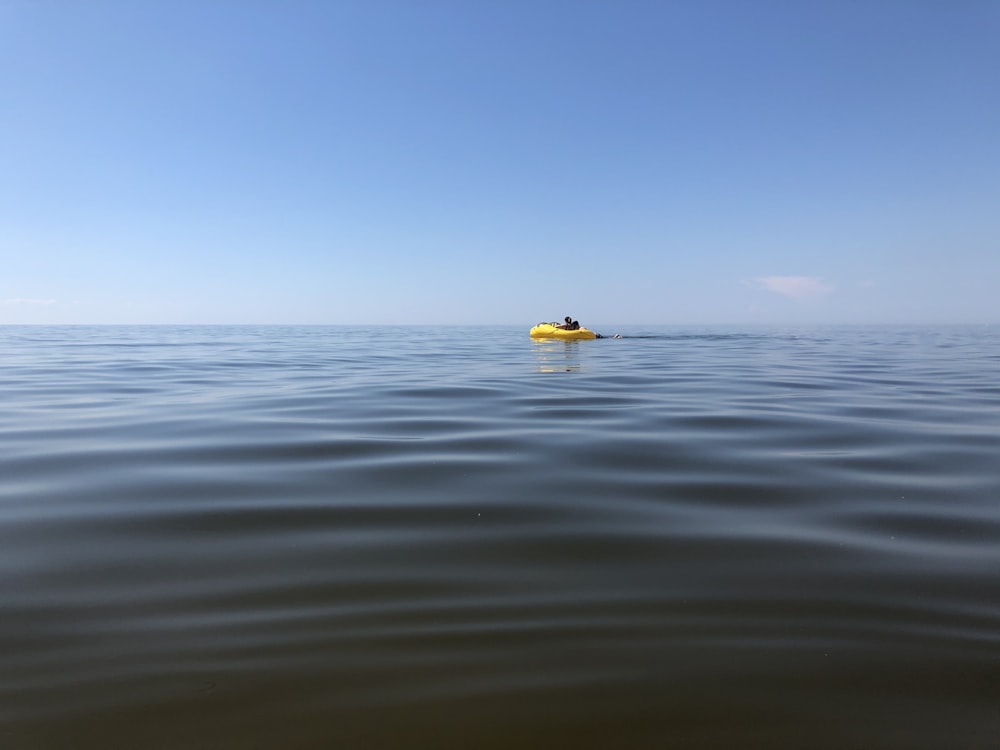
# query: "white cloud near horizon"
{"points": [[28, 301], [795, 287]]}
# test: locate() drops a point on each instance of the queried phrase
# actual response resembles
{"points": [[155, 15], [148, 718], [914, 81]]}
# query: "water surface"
{"points": [[312, 537]]}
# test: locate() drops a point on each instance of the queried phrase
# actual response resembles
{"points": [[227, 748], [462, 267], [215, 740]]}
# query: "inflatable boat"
{"points": [[552, 331]]}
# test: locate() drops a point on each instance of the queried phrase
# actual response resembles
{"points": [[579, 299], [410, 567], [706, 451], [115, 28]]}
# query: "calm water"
{"points": [[240, 537]]}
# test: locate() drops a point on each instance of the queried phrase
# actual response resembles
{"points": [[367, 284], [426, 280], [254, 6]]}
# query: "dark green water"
{"points": [[303, 538]]}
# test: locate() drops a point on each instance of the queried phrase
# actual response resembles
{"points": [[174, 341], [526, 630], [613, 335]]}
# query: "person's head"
{"points": [[569, 319]]}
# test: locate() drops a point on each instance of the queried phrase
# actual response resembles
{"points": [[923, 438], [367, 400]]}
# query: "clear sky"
{"points": [[500, 161]]}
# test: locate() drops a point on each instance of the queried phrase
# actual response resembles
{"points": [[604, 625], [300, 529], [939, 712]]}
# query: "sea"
{"points": [[300, 538]]}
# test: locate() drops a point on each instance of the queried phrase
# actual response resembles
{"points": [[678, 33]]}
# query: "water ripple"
{"points": [[304, 537]]}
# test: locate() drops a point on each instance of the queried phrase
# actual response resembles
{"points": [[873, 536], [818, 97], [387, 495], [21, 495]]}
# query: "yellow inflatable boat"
{"points": [[551, 331]]}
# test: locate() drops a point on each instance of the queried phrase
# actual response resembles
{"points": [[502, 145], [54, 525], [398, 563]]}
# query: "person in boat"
{"points": [[572, 325]]}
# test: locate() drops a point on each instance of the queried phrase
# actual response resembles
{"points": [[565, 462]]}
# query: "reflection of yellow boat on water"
{"points": [[552, 331]]}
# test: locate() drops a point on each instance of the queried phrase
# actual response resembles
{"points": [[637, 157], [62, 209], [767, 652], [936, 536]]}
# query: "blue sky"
{"points": [[434, 161]]}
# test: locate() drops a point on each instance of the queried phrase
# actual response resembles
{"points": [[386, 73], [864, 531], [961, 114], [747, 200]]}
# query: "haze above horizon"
{"points": [[437, 162]]}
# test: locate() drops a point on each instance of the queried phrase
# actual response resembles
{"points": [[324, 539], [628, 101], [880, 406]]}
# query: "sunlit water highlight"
{"points": [[240, 537]]}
